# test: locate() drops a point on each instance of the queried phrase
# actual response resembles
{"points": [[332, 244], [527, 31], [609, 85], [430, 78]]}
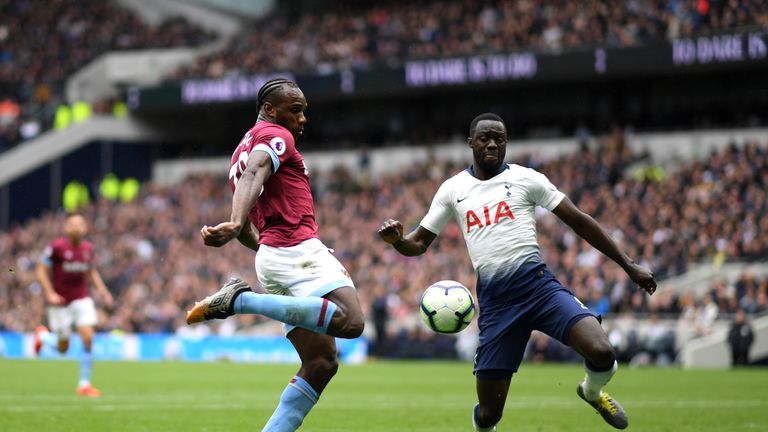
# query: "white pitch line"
{"points": [[124, 407], [97, 406]]}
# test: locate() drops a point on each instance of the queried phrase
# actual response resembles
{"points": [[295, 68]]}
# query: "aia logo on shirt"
{"points": [[501, 213]]}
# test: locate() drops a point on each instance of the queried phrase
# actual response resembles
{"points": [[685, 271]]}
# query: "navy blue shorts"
{"points": [[505, 327]]}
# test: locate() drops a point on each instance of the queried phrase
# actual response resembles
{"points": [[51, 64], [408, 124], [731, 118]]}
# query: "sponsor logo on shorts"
{"points": [[580, 303], [291, 318], [216, 301]]}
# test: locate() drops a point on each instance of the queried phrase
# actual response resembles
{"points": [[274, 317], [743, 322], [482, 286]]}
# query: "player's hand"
{"points": [[220, 234], [391, 231], [642, 277], [54, 298]]}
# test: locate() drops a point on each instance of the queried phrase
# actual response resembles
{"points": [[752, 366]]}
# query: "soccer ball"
{"points": [[447, 307]]}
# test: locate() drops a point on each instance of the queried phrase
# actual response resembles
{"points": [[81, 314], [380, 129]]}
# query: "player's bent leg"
{"points": [[337, 314], [491, 394], [56, 336], [62, 345], [588, 338], [44, 338], [318, 366], [319, 358], [84, 387], [348, 321]]}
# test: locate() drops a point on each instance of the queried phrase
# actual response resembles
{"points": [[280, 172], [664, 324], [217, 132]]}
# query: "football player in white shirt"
{"points": [[493, 203]]}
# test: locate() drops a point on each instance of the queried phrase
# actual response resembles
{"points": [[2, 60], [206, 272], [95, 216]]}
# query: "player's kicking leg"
{"points": [[318, 365], [588, 338], [492, 394], [60, 320], [46, 339], [337, 314]]}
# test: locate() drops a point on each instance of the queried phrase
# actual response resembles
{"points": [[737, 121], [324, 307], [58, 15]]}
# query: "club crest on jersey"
{"points": [[502, 211], [278, 145]]}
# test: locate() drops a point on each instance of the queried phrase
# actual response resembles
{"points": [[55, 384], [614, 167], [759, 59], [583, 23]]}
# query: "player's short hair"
{"points": [[484, 116], [271, 89]]}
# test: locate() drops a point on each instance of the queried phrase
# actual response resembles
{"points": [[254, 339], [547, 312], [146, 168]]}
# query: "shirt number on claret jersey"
{"points": [[236, 170]]}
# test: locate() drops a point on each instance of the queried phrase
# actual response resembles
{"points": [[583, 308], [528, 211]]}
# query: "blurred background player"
{"points": [[69, 259], [494, 203], [312, 293], [740, 339]]}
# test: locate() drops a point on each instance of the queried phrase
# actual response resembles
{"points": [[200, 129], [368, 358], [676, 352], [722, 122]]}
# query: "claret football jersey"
{"points": [[70, 264], [284, 213]]}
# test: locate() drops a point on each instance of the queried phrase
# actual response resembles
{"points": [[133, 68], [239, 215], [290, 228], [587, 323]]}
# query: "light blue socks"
{"points": [[86, 363], [50, 340], [297, 400], [311, 313]]}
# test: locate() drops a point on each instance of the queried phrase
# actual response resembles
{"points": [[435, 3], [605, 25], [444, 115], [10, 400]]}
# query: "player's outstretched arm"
{"points": [[588, 229], [415, 243], [247, 191]]}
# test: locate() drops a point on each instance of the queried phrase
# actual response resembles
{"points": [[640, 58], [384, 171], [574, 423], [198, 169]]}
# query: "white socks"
{"points": [[595, 381]]}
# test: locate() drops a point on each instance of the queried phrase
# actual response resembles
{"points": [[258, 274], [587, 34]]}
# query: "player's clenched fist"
{"points": [[220, 234], [642, 277], [391, 231]]}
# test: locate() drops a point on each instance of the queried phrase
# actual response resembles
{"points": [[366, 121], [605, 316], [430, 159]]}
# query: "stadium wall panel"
{"points": [[163, 346]]}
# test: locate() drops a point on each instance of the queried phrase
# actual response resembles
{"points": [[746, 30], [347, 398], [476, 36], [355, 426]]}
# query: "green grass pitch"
{"points": [[380, 396]]}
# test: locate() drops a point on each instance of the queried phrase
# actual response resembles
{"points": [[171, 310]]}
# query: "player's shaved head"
{"points": [[274, 90], [481, 117]]}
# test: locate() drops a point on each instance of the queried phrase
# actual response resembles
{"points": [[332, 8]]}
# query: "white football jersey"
{"points": [[495, 215]]}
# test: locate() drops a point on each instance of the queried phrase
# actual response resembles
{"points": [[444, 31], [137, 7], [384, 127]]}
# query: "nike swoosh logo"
{"points": [[461, 199]]}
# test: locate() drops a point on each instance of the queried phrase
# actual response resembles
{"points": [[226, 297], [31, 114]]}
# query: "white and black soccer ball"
{"points": [[447, 307]]}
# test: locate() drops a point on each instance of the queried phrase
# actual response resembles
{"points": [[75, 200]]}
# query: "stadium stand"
{"points": [[155, 265], [354, 35], [667, 216], [43, 43]]}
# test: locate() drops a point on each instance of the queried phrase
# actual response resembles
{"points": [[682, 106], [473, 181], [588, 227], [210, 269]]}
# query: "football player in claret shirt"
{"points": [[493, 203], [63, 272], [273, 214]]}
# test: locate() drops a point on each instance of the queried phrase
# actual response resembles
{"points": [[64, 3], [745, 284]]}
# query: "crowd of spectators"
{"points": [[672, 318], [43, 42], [153, 261], [355, 35]]}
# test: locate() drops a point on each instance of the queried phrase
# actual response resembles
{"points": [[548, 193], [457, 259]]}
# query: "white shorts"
{"points": [[80, 313], [307, 269]]}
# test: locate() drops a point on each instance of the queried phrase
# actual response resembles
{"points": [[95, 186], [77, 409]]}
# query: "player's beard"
{"points": [[488, 167]]}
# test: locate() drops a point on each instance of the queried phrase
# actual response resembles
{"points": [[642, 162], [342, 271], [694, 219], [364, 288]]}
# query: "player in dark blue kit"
{"points": [[493, 203]]}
